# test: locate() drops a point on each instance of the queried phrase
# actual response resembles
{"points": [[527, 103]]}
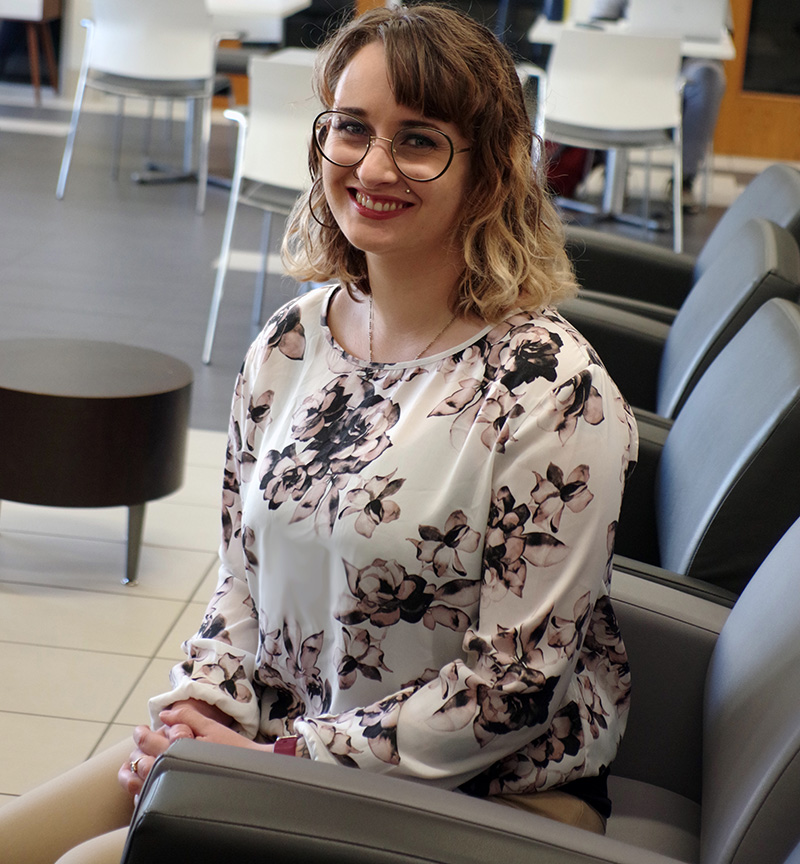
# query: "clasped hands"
{"points": [[187, 719]]}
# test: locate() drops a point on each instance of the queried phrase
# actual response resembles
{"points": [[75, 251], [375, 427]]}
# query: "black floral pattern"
{"points": [[361, 654], [287, 667], [227, 673], [438, 551], [552, 494], [384, 593], [512, 357], [577, 399], [338, 431], [372, 503]]}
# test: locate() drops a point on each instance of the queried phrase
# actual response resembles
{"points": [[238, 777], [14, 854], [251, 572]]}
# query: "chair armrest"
{"points": [[664, 314], [707, 591], [637, 533], [630, 346], [619, 265], [650, 419], [207, 803], [669, 636]]}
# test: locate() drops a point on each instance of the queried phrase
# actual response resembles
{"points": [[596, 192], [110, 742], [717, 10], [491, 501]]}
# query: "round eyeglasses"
{"points": [[418, 152]]}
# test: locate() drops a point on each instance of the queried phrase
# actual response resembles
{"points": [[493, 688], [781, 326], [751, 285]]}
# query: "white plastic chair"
{"points": [[616, 91], [149, 49], [271, 157]]}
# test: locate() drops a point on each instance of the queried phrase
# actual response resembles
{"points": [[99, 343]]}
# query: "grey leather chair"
{"points": [[708, 772], [715, 489], [761, 261], [620, 269]]}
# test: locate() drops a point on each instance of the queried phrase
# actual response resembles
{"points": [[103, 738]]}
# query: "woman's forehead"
{"points": [[364, 87]]}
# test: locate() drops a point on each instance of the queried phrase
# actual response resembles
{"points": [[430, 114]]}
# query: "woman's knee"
{"points": [[105, 849]]}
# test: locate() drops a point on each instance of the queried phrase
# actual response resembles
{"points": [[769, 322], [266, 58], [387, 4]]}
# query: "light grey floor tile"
{"points": [[206, 448], [67, 683], [154, 681], [208, 585], [94, 565], [114, 734], [181, 527], [122, 624], [166, 524], [36, 749], [184, 627], [109, 524], [202, 487]]}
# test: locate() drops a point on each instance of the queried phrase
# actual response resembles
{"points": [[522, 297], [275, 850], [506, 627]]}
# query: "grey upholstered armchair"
{"points": [[709, 770]]}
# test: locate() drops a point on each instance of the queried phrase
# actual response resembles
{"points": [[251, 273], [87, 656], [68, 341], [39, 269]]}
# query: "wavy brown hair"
{"points": [[448, 67]]}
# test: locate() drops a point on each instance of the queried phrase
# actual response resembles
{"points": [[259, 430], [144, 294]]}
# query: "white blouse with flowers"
{"points": [[415, 557]]}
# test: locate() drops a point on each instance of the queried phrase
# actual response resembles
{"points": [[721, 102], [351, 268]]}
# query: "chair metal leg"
{"points": [[202, 159], [33, 60], [648, 164], [677, 192], [117, 154], [707, 169], [227, 236], [148, 128], [189, 137], [49, 54], [76, 111], [135, 530], [616, 176], [261, 276]]}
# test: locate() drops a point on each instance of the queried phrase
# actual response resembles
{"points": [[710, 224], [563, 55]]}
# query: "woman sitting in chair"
{"points": [[424, 472]]}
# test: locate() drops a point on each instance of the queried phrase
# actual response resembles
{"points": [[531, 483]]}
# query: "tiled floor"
{"points": [[129, 263], [82, 652]]}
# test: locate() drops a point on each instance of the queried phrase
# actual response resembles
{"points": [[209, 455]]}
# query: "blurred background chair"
{"points": [[36, 16], [657, 359], [617, 269], [259, 27], [271, 166], [151, 50], [708, 771], [714, 490], [613, 92]]}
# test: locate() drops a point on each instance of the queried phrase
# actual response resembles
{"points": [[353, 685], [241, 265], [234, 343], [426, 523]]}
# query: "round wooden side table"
{"points": [[92, 424]]}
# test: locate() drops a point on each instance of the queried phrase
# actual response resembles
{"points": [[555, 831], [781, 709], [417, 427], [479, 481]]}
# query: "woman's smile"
{"points": [[378, 207]]}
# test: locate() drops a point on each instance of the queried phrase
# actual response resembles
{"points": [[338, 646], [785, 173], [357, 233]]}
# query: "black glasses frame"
{"points": [[390, 141]]}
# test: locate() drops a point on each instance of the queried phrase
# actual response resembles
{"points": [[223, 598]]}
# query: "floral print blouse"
{"points": [[415, 557]]}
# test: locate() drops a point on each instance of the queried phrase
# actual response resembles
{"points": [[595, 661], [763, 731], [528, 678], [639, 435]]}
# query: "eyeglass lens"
{"points": [[418, 152]]}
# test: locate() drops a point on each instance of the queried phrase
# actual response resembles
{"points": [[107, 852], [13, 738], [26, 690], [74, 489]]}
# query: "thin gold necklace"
{"points": [[425, 349]]}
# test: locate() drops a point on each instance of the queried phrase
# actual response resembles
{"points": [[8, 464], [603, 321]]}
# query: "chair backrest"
{"points": [[751, 722], [728, 482], [282, 111], [262, 29], [613, 81], [21, 10], [761, 261], [580, 10], [153, 39], [772, 194]]}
